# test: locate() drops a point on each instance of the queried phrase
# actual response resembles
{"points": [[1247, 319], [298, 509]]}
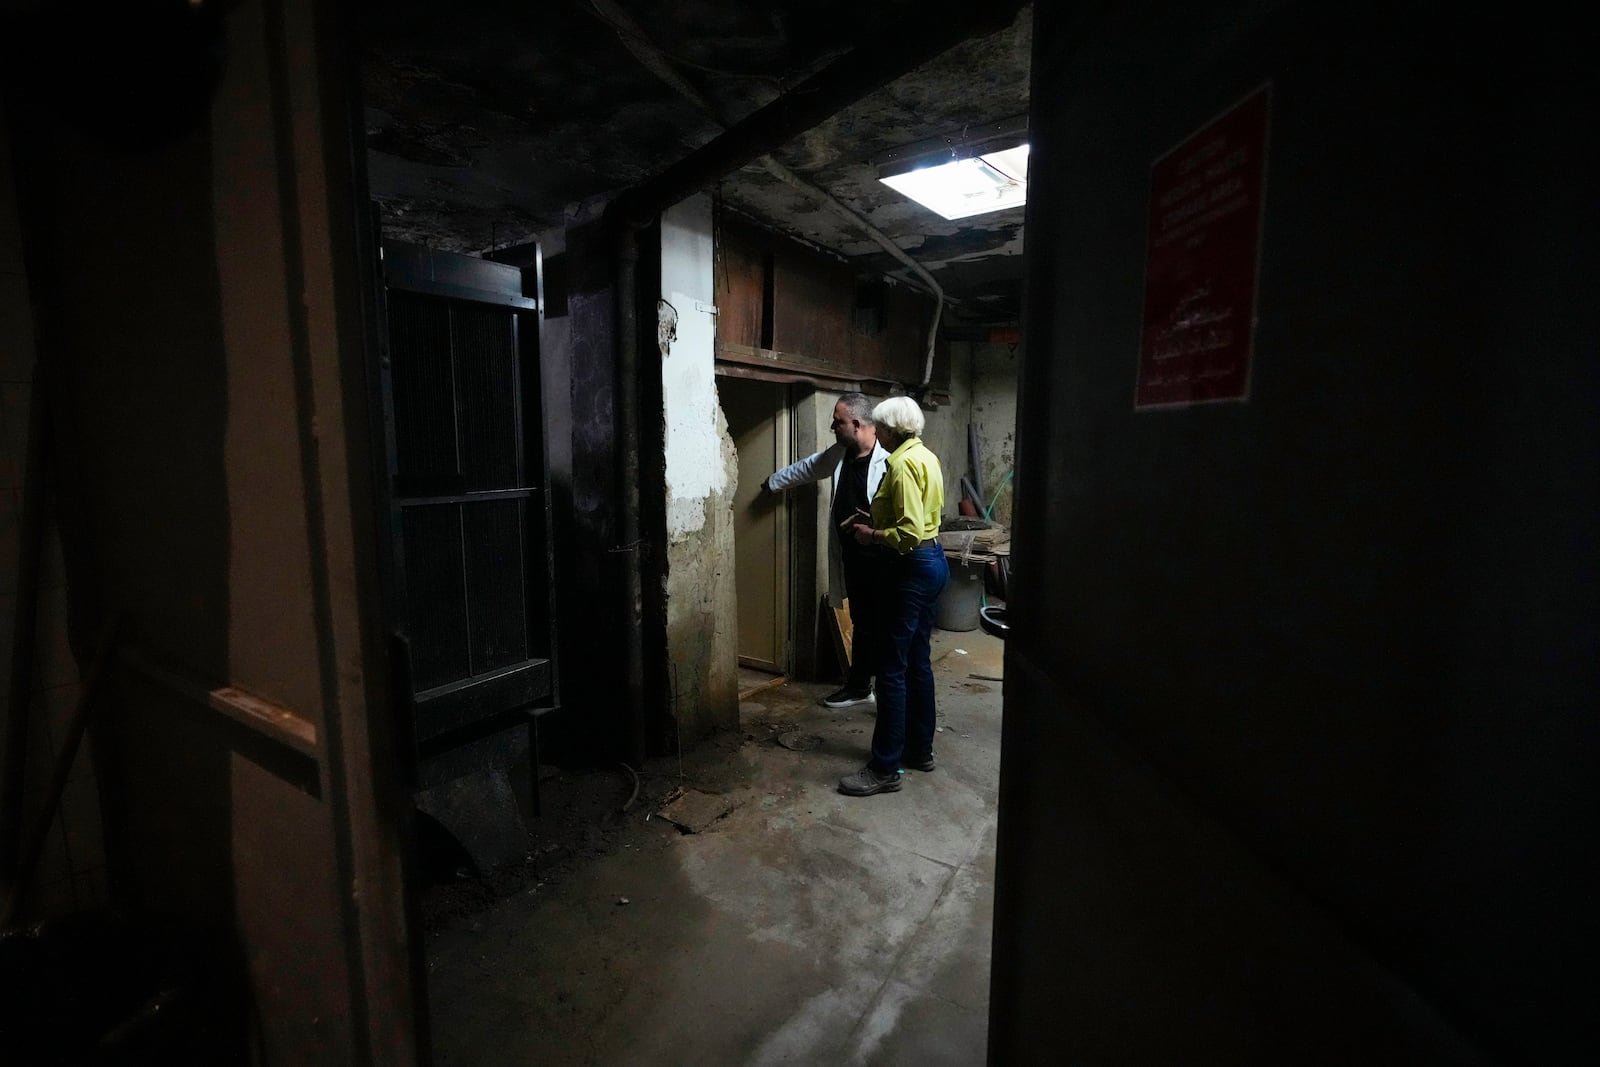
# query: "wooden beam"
{"points": [[273, 721]]}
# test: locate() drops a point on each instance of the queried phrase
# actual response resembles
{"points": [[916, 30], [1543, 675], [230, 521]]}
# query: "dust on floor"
{"points": [[740, 910]]}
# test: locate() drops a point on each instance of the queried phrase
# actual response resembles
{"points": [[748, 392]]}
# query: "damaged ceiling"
{"points": [[487, 121]]}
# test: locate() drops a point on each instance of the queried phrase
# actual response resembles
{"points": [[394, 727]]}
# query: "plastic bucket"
{"points": [[957, 607]]}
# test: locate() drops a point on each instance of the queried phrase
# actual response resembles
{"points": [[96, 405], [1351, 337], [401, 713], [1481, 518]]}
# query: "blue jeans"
{"points": [[906, 718]]}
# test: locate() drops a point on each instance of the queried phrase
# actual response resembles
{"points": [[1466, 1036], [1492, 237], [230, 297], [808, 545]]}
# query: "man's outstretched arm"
{"points": [[814, 468]]}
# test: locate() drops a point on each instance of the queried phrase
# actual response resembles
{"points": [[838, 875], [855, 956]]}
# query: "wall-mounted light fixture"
{"points": [[959, 178]]}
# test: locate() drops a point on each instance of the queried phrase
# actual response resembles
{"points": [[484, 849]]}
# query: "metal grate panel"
{"points": [[486, 382], [495, 584], [424, 392], [436, 611]]}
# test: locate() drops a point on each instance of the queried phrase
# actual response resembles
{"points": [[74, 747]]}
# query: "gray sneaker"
{"points": [[918, 763], [867, 781]]}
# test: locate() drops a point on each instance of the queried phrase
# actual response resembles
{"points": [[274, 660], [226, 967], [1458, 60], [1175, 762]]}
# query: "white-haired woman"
{"points": [[905, 523]]}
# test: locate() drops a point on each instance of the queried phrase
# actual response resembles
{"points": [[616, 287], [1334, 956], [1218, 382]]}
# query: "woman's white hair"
{"points": [[900, 414]]}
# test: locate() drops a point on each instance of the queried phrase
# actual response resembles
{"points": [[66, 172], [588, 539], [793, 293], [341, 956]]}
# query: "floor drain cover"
{"points": [[798, 742]]}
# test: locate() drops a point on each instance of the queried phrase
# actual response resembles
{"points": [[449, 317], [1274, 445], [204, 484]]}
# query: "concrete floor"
{"points": [[802, 927]]}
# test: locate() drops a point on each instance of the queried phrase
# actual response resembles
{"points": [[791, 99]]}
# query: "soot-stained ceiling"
{"points": [[488, 120]]}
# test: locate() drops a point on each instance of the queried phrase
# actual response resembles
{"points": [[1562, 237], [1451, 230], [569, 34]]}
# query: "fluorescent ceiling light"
{"points": [[966, 187]]}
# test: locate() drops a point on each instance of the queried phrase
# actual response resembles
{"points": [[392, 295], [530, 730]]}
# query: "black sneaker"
{"points": [[918, 763], [866, 782], [845, 697]]}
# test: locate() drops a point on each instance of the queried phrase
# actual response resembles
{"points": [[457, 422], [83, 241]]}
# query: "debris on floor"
{"points": [[693, 811], [752, 870], [797, 741], [770, 683]]}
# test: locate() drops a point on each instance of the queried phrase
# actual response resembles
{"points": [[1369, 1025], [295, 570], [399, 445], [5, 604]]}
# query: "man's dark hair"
{"points": [[858, 406]]}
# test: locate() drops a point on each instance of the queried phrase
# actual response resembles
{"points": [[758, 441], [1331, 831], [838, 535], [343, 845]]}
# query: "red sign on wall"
{"points": [[1200, 267]]}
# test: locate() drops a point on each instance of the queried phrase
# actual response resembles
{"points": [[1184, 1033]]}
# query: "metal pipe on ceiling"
{"points": [[784, 174], [810, 103], [655, 60]]}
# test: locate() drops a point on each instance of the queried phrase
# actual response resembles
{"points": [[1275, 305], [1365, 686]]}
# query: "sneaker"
{"points": [[918, 763], [846, 697], [867, 781]]}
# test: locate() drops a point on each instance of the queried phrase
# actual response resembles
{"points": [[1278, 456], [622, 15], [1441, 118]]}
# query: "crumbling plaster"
{"points": [[694, 429], [700, 471]]}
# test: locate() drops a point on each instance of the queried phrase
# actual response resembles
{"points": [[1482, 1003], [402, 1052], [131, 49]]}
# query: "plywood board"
{"points": [[843, 631]]}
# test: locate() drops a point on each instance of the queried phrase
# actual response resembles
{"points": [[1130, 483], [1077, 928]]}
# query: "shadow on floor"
{"points": [[795, 925]]}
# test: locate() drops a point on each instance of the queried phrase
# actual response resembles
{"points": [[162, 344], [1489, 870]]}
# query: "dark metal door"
{"points": [[469, 500]]}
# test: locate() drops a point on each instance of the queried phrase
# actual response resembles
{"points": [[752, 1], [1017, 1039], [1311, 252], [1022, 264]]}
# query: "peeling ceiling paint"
{"points": [[487, 120]]}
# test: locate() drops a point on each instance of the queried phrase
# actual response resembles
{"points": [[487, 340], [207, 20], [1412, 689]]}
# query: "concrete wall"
{"points": [[1300, 753], [200, 314], [994, 417], [700, 472], [946, 429]]}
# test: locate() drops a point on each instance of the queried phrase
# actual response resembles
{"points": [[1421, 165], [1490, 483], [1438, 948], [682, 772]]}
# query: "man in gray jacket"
{"points": [[856, 463]]}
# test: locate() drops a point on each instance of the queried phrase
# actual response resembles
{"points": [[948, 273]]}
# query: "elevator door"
{"points": [[758, 421]]}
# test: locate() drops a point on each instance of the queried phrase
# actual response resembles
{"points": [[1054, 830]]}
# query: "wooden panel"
{"points": [[763, 357], [813, 329], [897, 352], [906, 335], [278, 723], [893, 352], [739, 285], [812, 303], [736, 361], [214, 399]]}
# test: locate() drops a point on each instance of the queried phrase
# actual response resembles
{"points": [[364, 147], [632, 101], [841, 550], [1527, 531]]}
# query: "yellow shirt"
{"points": [[910, 499]]}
